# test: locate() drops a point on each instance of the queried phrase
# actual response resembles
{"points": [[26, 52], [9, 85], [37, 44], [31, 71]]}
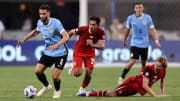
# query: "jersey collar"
{"points": [[140, 17]]}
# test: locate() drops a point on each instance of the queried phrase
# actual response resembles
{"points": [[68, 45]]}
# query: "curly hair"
{"points": [[163, 61]]}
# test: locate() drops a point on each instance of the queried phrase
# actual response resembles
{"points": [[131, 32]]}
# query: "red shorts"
{"points": [[126, 89], [87, 60]]}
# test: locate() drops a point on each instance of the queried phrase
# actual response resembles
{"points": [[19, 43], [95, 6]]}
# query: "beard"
{"points": [[44, 20]]}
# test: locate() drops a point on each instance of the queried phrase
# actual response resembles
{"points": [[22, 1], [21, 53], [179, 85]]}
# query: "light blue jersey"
{"points": [[52, 35], [139, 30]]}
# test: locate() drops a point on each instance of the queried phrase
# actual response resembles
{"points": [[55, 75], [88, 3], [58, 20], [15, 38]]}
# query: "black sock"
{"points": [[57, 85], [125, 71], [43, 79]]}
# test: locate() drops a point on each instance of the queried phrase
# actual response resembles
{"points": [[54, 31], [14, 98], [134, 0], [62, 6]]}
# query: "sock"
{"points": [[125, 71], [97, 93], [85, 82], [42, 78], [57, 85]]}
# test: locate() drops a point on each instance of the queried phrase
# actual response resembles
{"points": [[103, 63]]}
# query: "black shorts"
{"points": [[49, 61], [136, 52]]}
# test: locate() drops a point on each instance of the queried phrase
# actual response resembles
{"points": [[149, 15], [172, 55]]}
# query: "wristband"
{"points": [[157, 41]]}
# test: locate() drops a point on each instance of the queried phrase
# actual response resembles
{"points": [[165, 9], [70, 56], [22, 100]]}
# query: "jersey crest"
{"points": [[50, 30], [144, 22]]}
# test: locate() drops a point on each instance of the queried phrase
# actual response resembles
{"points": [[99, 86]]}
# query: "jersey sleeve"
{"points": [[78, 30], [128, 22], [102, 36], [59, 26], [38, 26], [147, 72], [151, 25]]}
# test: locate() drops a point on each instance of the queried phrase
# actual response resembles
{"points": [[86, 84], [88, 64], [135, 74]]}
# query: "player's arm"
{"points": [[101, 44], [65, 38], [126, 33], [71, 32], [147, 88], [162, 87], [30, 35], [155, 36]]}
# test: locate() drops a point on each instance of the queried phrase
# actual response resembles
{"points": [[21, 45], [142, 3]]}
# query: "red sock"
{"points": [[97, 93], [85, 82]]}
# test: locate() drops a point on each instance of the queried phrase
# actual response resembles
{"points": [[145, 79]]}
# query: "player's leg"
{"points": [[144, 55], [97, 93], [45, 61], [89, 66], [127, 88], [133, 55], [77, 66], [59, 65]]}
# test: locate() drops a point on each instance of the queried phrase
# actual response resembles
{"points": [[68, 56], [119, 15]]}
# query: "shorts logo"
{"points": [[120, 92], [132, 55], [92, 60]]}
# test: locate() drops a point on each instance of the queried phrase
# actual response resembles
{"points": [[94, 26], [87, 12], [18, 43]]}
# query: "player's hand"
{"points": [[52, 47], [20, 42], [124, 44], [89, 42], [158, 44], [161, 95]]}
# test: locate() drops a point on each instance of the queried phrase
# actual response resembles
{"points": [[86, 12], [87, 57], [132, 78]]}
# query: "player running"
{"points": [[84, 49], [56, 50], [140, 83]]}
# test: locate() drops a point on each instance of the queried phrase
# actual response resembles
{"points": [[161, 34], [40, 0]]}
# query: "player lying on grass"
{"points": [[140, 83]]}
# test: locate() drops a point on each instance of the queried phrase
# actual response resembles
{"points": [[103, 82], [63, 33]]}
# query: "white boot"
{"points": [[44, 89], [57, 94], [120, 80], [81, 90]]}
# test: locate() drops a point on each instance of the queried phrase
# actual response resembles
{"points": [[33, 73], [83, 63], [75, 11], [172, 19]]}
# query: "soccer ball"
{"points": [[30, 91]]}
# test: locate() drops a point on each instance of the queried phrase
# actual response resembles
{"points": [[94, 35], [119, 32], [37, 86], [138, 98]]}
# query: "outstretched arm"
{"points": [[147, 88], [30, 35], [71, 32], [162, 87]]}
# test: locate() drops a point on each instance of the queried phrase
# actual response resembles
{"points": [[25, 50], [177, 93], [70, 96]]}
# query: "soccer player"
{"points": [[140, 83], [139, 24], [55, 52], [84, 49]]}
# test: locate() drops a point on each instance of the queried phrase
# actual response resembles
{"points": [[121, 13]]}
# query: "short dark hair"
{"points": [[137, 3], [45, 7], [97, 19]]}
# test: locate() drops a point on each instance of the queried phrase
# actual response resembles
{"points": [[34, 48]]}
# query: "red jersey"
{"points": [[81, 48], [135, 83]]}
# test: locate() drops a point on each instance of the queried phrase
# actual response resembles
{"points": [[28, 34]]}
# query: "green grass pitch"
{"points": [[13, 80]]}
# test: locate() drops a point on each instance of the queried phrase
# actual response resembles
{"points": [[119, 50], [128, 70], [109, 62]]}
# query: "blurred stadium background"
{"points": [[19, 17]]}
